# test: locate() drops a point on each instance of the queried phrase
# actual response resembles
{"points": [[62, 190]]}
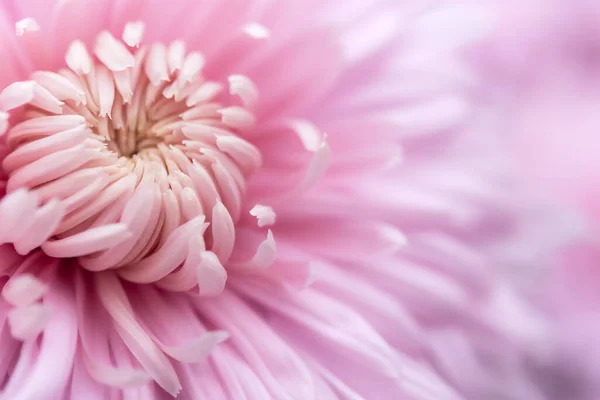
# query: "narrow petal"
{"points": [[23, 290], [262, 258], [197, 350], [16, 95], [45, 221], [59, 86], [210, 274], [93, 335], [27, 322], [133, 32], [264, 214], [113, 53], [223, 232], [87, 242], [49, 168], [26, 25], [166, 259], [106, 91], [46, 378], [243, 87], [114, 299], [78, 58]]}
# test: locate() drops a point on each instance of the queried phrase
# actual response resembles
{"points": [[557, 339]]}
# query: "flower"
{"points": [[210, 201]]}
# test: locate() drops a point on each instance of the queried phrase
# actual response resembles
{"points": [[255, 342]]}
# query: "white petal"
{"points": [[26, 25], [264, 214], [256, 30], [133, 32]]}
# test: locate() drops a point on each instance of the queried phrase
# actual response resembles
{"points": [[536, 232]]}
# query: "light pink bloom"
{"points": [[211, 201]]}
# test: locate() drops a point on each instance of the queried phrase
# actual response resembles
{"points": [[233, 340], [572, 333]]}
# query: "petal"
{"points": [[49, 375], [16, 94], [113, 53], [93, 331], [264, 214], [132, 34], [282, 371], [223, 232], [166, 259], [23, 290], [243, 87], [88, 241], [263, 257], [210, 274], [27, 322], [78, 58], [114, 299]]}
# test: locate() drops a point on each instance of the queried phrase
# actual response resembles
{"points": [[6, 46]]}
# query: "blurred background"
{"points": [[540, 68]]}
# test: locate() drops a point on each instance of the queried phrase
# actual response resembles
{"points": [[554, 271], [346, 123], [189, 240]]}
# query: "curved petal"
{"points": [[114, 299], [49, 374]]}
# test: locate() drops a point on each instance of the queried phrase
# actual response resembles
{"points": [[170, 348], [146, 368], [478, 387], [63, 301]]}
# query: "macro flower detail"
{"points": [[253, 200], [142, 156]]}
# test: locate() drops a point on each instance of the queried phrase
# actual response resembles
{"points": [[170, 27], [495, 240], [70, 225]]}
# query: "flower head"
{"points": [[211, 201]]}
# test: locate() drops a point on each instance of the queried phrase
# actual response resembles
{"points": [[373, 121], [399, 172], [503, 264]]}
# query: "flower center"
{"points": [[146, 154]]}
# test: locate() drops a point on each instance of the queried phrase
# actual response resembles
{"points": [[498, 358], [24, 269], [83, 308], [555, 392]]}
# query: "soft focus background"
{"points": [[541, 68]]}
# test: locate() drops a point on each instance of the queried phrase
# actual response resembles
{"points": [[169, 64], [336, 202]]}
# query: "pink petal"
{"points": [[113, 297], [166, 259], [95, 357], [132, 34], [26, 25], [49, 168], [3, 122], [59, 86], [223, 232], [113, 53], [37, 149], [106, 91], [244, 153], [23, 290], [243, 87], [262, 259], [46, 378], [88, 241], [237, 117], [317, 166], [256, 30], [16, 95], [175, 56], [210, 274], [205, 93], [43, 126], [15, 210], [156, 65], [198, 349], [185, 278], [28, 321], [264, 214], [78, 58], [297, 275], [44, 222], [261, 349]]}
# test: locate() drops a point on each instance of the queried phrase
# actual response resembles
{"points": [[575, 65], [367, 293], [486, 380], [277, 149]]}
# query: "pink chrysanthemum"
{"points": [[207, 201]]}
